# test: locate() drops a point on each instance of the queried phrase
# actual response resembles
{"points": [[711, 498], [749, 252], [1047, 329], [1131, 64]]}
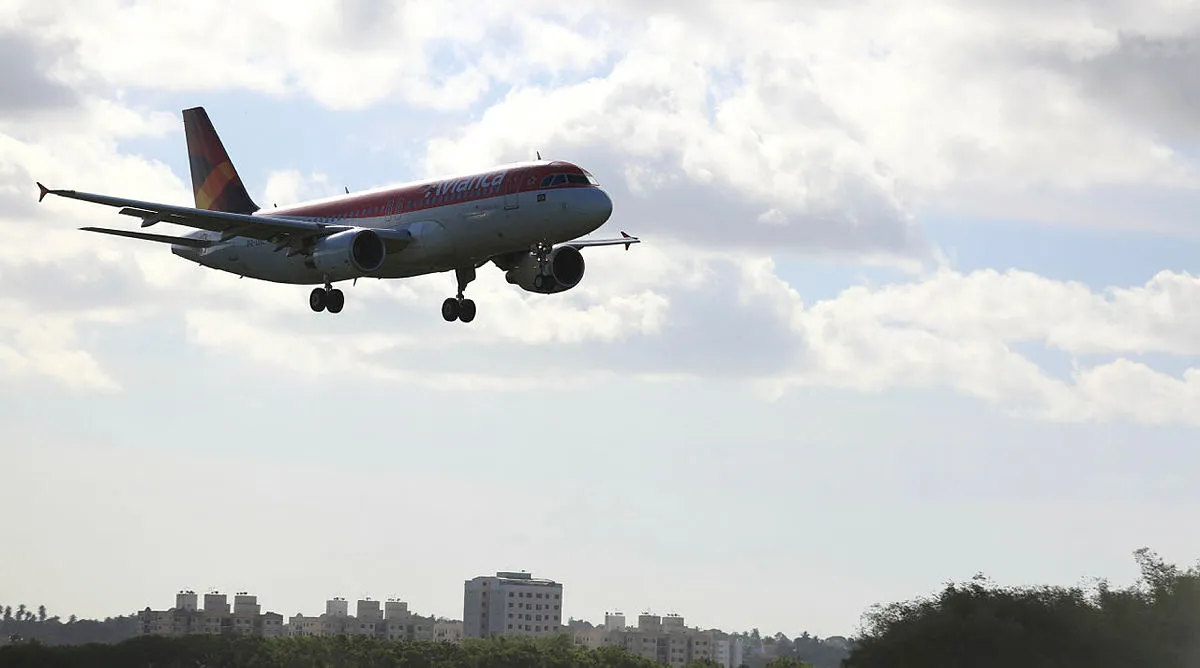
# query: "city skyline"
{"points": [[507, 604], [914, 300], [200, 599]]}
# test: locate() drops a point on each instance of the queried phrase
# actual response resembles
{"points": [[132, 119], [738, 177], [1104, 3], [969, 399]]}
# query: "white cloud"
{"points": [[832, 120], [719, 151], [290, 186], [739, 320]]}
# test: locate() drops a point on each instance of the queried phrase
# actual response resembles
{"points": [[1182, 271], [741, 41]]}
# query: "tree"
{"points": [[787, 662], [820, 653], [41, 613], [1152, 623], [784, 646], [8, 613]]}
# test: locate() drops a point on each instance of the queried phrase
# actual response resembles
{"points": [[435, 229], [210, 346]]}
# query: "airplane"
{"points": [[525, 217]]}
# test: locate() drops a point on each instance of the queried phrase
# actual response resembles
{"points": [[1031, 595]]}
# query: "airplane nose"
{"points": [[603, 206]]}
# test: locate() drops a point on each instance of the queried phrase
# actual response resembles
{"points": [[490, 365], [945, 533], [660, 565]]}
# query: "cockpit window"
{"points": [[551, 180]]}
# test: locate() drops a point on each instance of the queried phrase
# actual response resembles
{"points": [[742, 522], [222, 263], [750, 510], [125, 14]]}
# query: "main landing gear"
{"points": [[460, 308], [327, 297], [541, 251]]}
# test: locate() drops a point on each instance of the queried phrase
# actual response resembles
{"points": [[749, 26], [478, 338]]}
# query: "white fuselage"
{"points": [[446, 237]]}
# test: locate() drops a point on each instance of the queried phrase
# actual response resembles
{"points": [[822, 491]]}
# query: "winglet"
{"points": [[44, 191], [628, 237]]}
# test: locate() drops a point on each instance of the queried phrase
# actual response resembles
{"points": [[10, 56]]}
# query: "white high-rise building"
{"points": [[511, 604]]}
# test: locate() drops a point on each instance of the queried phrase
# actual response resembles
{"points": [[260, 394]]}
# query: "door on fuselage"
{"points": [[512, 191]]}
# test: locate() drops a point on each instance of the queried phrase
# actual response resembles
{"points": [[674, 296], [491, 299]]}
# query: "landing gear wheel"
{"points": [[335, 300], [466, 310], [459, 307], [316, 300], [450, 309]]}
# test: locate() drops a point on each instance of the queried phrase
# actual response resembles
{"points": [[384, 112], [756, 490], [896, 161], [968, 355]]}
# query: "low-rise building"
{"points": [[394, 622], [186, 618], [667, 640]]}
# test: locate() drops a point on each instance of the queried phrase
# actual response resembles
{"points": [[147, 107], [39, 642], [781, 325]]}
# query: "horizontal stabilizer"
{"points": [[625, 241], [146, 236]]}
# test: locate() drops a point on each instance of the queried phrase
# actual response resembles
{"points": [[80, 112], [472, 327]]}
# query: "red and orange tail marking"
{"points": [[215, 183]]}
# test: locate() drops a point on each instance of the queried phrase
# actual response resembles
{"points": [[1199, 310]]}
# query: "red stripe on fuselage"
{"points": [[414, 197]]}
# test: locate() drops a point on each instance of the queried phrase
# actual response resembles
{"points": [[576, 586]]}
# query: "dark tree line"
{"points": [[804, 649], [23, 624], [1154, 623], [323, 652]]}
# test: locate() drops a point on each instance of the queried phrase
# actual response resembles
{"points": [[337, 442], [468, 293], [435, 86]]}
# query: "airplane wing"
{"points": [[586, 243], [228, 224], [286, 232]]}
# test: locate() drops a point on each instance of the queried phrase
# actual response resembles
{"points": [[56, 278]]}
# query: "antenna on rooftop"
{"points": [[347, 189], [539, 154]]}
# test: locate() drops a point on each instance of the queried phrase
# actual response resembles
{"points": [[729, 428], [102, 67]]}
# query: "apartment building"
{"points": [[393, 621], [511, 603], [663, 639], [447, 630], [245, 618]]}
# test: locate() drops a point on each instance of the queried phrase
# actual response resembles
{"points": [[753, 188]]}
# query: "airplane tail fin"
{"points": [[215, 183]]}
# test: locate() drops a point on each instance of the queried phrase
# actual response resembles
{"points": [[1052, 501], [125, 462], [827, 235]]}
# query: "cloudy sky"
{"points": [[917, 300]]}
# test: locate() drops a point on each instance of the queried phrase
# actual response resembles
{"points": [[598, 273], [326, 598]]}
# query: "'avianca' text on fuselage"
{"points": [[526, 218], [463, 185]]}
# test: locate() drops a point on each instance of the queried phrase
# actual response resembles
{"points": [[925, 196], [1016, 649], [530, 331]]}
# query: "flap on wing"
{"points": [[146, 236]]}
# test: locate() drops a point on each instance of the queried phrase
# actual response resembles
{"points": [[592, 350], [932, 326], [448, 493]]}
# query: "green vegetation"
{"points": [[803, 650], [1155, 622], [22, 624], [323, 652]]}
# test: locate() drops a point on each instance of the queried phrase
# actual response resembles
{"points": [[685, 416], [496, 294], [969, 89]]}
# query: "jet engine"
{"points": [[561, 271], [348, 254]]}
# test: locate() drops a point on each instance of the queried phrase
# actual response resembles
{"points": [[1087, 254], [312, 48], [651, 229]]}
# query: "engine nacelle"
{"points": [[563, 270], [348, 254]]}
